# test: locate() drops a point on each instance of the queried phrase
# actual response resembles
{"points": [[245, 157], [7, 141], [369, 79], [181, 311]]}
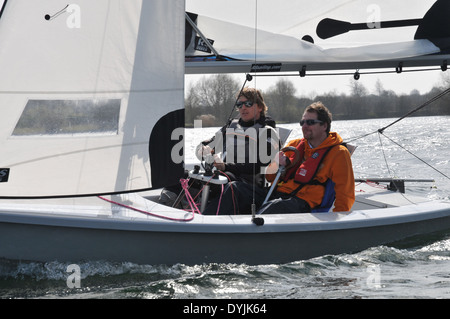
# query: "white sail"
{"points": [[319, 35], [82, 88]]}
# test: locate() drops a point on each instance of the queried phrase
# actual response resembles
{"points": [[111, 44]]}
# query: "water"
{"points": [[419, 269]]}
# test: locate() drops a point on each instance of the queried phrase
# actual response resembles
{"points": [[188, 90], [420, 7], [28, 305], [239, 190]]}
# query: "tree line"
{"points": [[212, 98]]}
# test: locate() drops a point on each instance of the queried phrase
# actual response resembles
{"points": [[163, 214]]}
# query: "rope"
{"points": [[254, 164], [191, 201], [247, 78], [232, 192], [220, 200], [147, 212], [437, 97], [415, 156], [384, 155], [389, 171], [381, 130]]}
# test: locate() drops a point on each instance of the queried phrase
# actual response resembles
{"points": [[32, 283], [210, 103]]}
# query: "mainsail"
{"points": [[308, 35], [90, 94]]}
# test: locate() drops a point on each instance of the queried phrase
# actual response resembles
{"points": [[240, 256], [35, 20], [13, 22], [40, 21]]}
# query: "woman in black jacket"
{"points": [[241, 150]]}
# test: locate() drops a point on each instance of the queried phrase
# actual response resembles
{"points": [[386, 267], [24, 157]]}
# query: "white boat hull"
{"points": [[121, 235]]}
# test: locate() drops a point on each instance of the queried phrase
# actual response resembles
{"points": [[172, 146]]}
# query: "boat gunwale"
{"points": [[239, 223]]}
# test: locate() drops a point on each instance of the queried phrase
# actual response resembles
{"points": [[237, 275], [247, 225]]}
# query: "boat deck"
{"points": [[144, 207]]}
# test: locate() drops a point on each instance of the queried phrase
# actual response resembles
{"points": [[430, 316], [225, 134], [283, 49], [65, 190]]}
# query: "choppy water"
{"points": [[418, 269]]}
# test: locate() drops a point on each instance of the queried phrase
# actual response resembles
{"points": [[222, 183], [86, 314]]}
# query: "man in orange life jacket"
{"points": [[322, 158]]}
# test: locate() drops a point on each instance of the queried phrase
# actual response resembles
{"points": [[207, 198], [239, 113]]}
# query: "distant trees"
{"points": [[281, 99], [212, 99]]}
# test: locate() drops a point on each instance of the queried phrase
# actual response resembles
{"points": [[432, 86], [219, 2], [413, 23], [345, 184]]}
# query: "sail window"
{"points": [[62, 117]]}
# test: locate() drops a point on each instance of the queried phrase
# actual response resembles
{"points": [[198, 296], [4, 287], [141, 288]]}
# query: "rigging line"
{"points": [[384, 154], [78, 195], [233, 108], [414, 155], [381, 130], [256, 29], [361, 136], [254, 120], [232, 191], [440, 95], [389, 171]]}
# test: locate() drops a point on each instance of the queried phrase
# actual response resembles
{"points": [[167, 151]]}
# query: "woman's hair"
{"points": [[323, 114], [254, 95]]}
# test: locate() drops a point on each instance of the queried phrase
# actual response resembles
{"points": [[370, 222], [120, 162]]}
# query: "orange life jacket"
{"points": [[304, 172]]}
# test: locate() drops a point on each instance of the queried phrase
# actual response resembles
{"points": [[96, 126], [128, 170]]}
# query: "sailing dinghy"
{"points": [[92, 99]]}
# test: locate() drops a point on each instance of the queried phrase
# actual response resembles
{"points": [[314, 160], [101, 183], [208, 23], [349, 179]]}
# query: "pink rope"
{"points": [[146, 212], [191, 201], [220, 200]]}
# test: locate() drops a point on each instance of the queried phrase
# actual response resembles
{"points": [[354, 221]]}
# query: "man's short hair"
{"points": [[323, 114]]}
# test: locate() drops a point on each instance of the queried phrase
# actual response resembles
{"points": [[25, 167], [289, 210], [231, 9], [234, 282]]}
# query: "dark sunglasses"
{"points": [[246, 103], [309, 122]]}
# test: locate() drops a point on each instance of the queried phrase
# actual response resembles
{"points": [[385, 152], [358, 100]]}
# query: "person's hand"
{"points": [[218, 163], [283, 160], [202, 151]]}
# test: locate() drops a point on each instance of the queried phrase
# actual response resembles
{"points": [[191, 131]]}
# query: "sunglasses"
{"points": [[309, 122], [246, 103]]}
